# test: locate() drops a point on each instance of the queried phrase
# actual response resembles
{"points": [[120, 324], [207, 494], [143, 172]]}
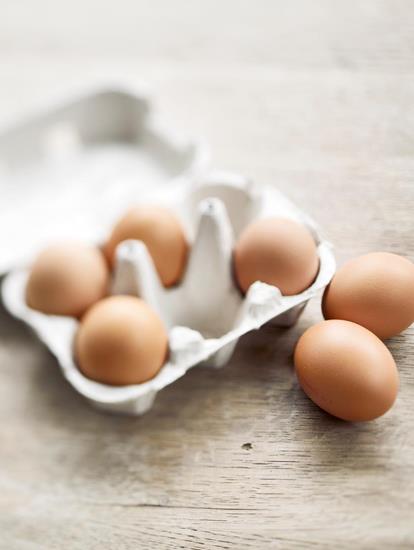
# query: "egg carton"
{"points": [[205, 313]]}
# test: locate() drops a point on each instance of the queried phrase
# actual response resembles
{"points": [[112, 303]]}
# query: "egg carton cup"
{"points": [[205, 313]]}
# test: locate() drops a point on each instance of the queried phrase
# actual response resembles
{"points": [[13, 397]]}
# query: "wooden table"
{"points": [[316, 97]]}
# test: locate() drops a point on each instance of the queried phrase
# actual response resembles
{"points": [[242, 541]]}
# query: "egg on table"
{"points": [[346, 370], [121, 341], [161, 231], [66, 279], [376, 291], [276, 251]]}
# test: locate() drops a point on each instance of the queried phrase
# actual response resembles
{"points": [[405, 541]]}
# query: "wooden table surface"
{"points": [[316, 97]]}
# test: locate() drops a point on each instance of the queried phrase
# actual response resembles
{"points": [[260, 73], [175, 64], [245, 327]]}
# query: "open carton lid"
{"points": [[73, 167]]}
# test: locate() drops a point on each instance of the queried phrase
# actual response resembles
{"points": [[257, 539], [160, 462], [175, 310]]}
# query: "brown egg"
{"points": [[66, 279], [276, 251], [376, 291], [163, 235], [346, 370], [121, 341]]}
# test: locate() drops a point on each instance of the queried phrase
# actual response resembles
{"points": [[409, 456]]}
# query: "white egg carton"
{"points": [[205, 314]]}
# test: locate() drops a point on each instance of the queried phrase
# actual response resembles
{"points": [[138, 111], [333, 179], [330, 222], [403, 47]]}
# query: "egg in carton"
{"points": [[205, 313]]}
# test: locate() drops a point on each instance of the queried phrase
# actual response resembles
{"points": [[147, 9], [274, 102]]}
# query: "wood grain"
{"points": [[318, 98]]}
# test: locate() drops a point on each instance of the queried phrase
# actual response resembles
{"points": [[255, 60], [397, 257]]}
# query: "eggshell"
{"points": [[121, 341], [346, 370], [162, 233], [66, 279], [276, 251], [376, 291]]}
